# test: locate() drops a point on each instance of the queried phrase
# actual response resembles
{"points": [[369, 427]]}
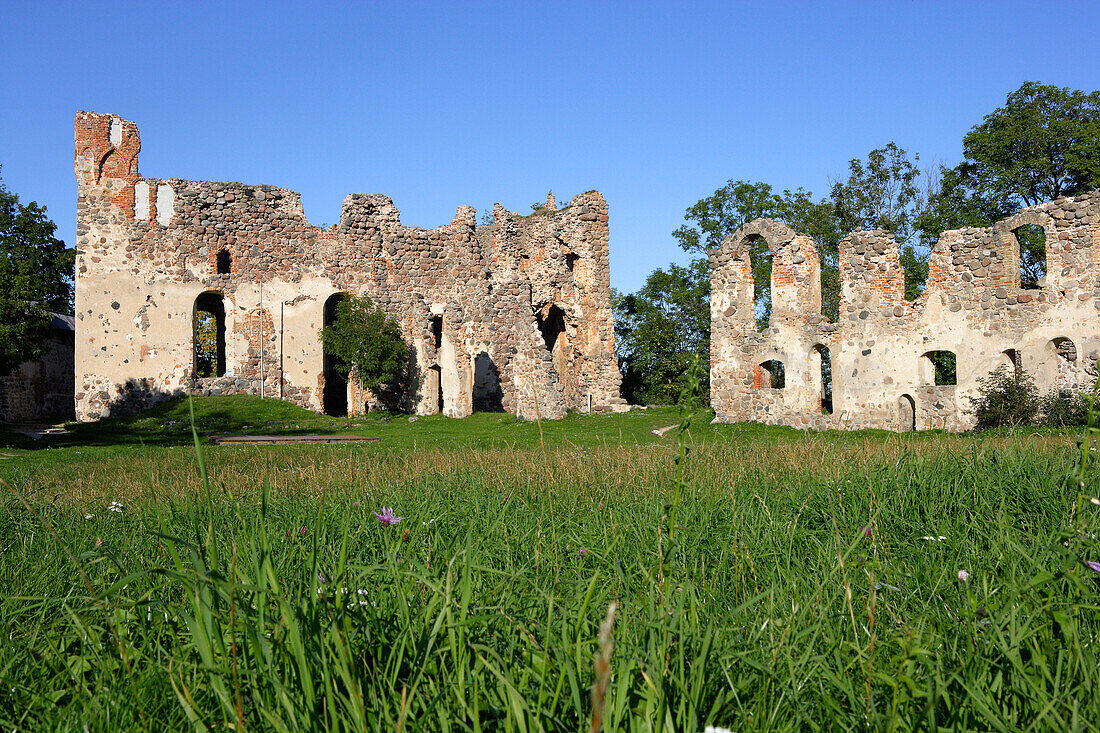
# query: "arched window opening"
{"points": [[437, 331], [1011, 359], [760, 258], [1032, 239], [821, 355], [907, 414], [209, 336], [334, 397], [551, 326], [938, 368], [225, 262], [1065, 349], [770, 375]]}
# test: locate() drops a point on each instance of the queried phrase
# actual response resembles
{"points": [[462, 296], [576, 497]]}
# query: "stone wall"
{"points": [[881, 348], [149, 248], [42, 390]]}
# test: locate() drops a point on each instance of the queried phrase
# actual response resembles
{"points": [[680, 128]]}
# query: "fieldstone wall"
{"points": [[522, 306], [882, 374], [42, 390]]}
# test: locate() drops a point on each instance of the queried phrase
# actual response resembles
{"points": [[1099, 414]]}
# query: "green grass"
{"points": [[261, 592]]}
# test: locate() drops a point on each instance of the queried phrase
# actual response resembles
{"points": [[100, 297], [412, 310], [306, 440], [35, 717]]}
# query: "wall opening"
{"points": [[760, 259], [551, 326], [770, 375], [488, 396], [571, 260], [1011, 359], [939, 368], [1032, 239], [823, 370], [556, 338], [907, 414], [437, 331], [225, 262], [209, 336], [1065, 349], [334, 398], [435, 389]]}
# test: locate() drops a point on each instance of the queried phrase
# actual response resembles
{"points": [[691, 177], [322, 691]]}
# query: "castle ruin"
{"points": [[513, 315], [882, 353]]}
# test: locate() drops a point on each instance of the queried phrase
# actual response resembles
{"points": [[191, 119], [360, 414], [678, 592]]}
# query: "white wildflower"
{"points": [[116, 507]]}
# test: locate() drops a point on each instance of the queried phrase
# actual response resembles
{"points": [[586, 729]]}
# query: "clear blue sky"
{"points": [[437, 105]]}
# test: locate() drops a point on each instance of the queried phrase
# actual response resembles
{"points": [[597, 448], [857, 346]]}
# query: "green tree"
{"points": [[367, 344], [1042, 144], [883, 192], [660, 330], [36, 271]]}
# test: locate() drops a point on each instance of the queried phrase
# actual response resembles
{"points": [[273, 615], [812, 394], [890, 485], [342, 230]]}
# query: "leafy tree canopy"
{"points": [[36, 273], [1044, 143], [366, 344], [660, 330]]}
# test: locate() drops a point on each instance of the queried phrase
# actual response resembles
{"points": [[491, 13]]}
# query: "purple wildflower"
{"points": [[963, 576], [1093, 565], [387, 517], [581, 552], [867, 531], [302, 530]]}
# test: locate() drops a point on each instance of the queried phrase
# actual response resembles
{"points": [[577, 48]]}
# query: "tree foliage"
{"points": [[366, 344], [1042, 144], [660, 330], [206, 344], [36, 272]]}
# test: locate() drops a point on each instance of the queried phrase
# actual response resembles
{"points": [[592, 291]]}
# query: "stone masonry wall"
{"points": [[42, 390], [882, 376], [149, 248]]}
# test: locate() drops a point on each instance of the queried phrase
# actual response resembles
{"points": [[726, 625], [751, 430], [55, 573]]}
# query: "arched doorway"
{"points": [[434, 389], [208, 335], [334, 399], [821, 376], [907, 414]]}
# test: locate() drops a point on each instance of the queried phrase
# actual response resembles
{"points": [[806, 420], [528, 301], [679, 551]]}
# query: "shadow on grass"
{"points": [[169, 424]]}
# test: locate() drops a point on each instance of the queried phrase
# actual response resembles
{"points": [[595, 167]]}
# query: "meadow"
{"points": [[582, 574]]}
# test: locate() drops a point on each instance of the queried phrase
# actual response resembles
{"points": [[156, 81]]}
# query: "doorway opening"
{"points": [[334, 398]]}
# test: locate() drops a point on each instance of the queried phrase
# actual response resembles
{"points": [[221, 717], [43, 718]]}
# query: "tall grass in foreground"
{"points": [[757, 592]]}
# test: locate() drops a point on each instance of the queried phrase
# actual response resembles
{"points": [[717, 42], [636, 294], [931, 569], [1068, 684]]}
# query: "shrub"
{"points": [[366, 343], [1005, 399], [1063, 408]]}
